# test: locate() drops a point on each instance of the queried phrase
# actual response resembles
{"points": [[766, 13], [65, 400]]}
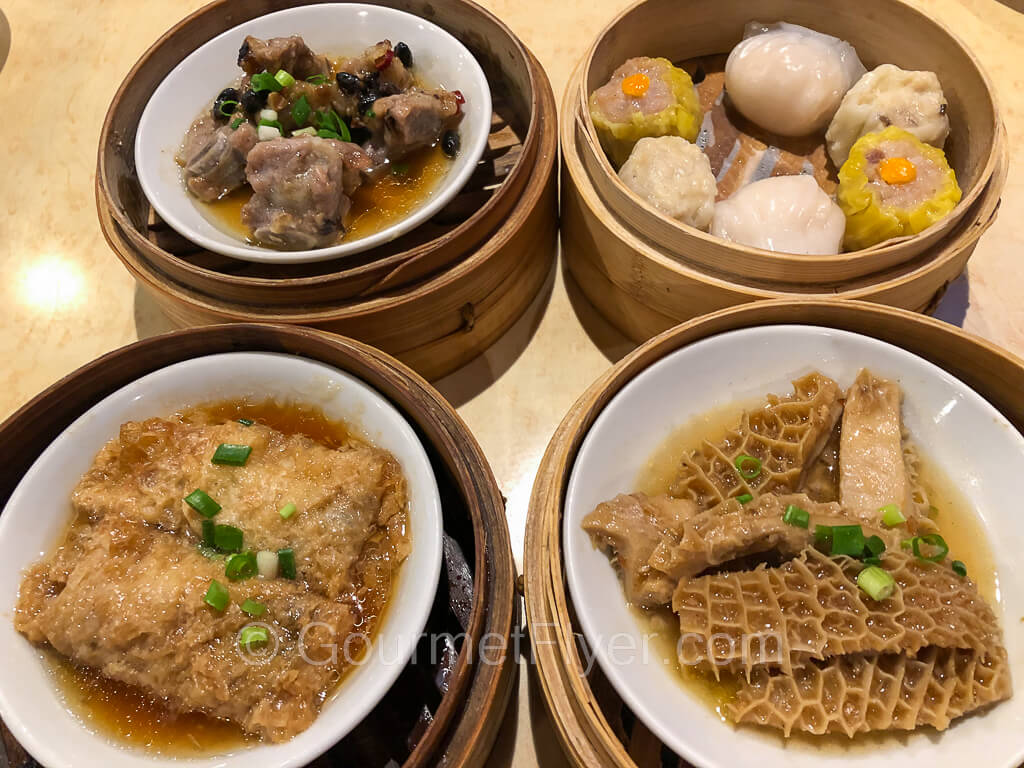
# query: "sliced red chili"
{"points": [[383, 62]]}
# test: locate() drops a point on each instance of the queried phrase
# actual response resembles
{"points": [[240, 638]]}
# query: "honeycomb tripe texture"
{"points": [[786, 435], [811, 608], [630, 527], [734, 530], [859, 693]]}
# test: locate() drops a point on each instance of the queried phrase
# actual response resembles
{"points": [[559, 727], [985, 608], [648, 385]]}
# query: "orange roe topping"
{"points": [[897, 170], [636, 85]]}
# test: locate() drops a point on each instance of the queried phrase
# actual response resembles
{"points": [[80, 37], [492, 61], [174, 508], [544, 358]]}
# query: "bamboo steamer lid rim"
{"points": [[104, 198], [576, 107]]}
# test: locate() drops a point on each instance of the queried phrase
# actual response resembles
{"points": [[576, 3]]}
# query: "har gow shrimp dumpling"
{"points": [[674, 176], [644, 97], [893, 185], [789, 79], [888, 95], [787, 214]]}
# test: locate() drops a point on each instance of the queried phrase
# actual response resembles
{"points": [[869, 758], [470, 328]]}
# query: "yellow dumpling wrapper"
{"points": [[682, 117], [870, 219]]}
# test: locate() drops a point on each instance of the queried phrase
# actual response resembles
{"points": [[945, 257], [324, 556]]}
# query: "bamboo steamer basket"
{"points": [[644, 289], [883, 31], [593, 724], [435, 297], [443, 711]]}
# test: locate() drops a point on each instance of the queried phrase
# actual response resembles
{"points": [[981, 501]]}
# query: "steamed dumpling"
{"points": [[644, 97], [893, 185], [788, 214], [674, 176], [790, 79], [888, 95]]}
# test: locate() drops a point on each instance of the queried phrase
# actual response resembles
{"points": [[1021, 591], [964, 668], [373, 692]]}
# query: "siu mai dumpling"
{"points": [[790, 79], [644, 97], [788, 214], [674, 176], [888, 95], [893, 185]]}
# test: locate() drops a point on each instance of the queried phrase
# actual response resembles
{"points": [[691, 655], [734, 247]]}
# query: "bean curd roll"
{"points": [[644, 97], [892, 185]]}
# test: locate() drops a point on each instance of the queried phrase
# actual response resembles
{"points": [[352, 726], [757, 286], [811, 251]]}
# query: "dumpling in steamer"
{"points": [[674, 176], [644, 97], [789, 79], [893, 185], [788, 214], [888, 95]]}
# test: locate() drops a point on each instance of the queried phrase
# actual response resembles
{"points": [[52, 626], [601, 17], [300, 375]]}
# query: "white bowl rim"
{"points": [[360, 695], [447, 189], [631, 696]]}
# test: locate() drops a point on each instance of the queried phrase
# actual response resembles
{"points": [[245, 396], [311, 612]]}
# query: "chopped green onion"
{"points": [[317, 79], [237, 122], [371, 114], [848, 540], [744, 498], [232, 455], [228, 107], [264, 81], [272, 124], [253, 608], [246, 422], [872, 560], [241, 566], [801, 518], [217, 596], [892, 516], [287, 511], [878, 583], [875, 545], [284, 78], [210, 553], [960, 569], [202, 503], [328, 120], [307, 131], [286, 563], [323, 133], [749, 467], [253, 635], [822, 534], [301, 110], [227, 538], [208, 530], [932, 540], [399, 169]]}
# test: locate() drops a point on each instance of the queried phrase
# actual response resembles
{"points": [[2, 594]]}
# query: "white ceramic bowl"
{"points": [[965, 436], [38, 511], [336, 28]]}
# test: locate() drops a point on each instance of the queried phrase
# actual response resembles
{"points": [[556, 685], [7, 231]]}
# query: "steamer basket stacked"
{"points": [[646, 272], [596, 723], [435, 297], [446, 707]]}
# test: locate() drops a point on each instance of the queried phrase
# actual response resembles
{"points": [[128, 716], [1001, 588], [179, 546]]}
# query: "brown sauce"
{"points": [[957, 520], [375, 206], [131, 716]]}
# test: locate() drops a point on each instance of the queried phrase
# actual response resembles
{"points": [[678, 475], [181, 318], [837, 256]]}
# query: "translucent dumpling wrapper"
{"points": [[787, 214], [893, 185], [674, 176], [644, 97], [790, 79], [888, 95]]}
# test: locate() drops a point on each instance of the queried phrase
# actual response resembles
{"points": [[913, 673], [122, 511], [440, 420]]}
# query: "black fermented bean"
{"points": [[254, 101], [450, 143], [404, 54], [227, 95], [366, 102], [348, 83]]}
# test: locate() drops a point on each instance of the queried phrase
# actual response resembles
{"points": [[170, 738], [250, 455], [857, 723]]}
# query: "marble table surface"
{"points": [[65, 299]]}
